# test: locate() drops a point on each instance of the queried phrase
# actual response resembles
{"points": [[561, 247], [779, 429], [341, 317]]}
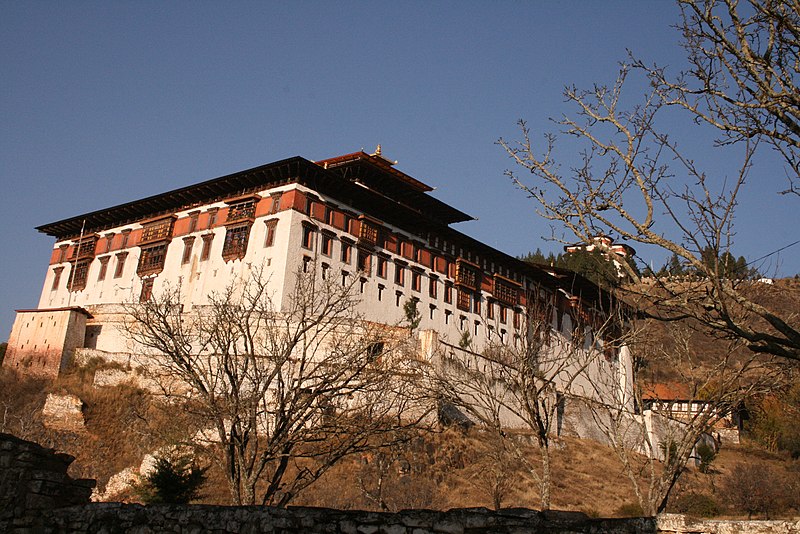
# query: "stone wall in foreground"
{"points": [[36, 495]]}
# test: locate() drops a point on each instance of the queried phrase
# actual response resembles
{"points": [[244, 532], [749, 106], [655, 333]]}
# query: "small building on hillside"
{"points": [[677, 401]]}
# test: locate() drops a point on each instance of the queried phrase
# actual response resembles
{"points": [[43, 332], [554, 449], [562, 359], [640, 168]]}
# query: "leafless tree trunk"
{"points": [[634, 183], [289, 390]]}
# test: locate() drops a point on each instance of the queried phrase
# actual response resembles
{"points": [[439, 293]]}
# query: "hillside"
{"points": [[434, 470]]}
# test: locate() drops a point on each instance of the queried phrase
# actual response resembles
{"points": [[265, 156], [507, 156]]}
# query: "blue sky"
{"points": [[106, 102]]}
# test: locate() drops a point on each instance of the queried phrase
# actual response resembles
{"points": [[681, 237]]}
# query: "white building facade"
{"points": [[354, 217]]}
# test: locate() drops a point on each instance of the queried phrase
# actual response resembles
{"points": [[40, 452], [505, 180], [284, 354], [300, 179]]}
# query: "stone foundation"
{"points": [[36, 495]]}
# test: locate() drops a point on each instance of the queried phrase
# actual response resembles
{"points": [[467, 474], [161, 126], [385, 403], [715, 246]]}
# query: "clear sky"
{"points": [[106, 102]]}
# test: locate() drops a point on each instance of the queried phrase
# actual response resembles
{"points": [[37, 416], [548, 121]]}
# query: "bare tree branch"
{"points": [[288, 391]]}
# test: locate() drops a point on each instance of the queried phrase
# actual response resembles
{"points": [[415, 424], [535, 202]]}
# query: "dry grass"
{"points": [[434, 470]]}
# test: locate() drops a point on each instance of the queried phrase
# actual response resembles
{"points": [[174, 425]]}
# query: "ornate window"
{"points": [[84, 248], [152, 260], [276, 202], [363, 261], [463, 302], [157, 231], [242, 211], [368, 232], [468, 275], [193, 217], [235, 245], [212, 217], [506, 291], [78, 275]]}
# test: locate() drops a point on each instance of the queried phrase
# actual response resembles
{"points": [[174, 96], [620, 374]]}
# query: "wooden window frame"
{"points": [[188, 247], [103, 267], [78, 275], [236, 239], [152, 259], [119, 270], [146, 292], [56, 277], [205, 252], [363, 261], [272, 228]]}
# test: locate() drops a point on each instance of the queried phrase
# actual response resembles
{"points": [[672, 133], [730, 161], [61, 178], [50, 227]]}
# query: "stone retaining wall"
{"points": [[36, 495]]}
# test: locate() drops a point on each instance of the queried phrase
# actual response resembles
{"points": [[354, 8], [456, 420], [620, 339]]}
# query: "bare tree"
{"points": [[518, 385], [745, 75], [633, 181], [288, 390], [655, 442]]}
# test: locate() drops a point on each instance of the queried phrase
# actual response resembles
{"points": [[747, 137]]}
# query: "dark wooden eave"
{"points": [[378, 175], [362, 180], [193, 195]]}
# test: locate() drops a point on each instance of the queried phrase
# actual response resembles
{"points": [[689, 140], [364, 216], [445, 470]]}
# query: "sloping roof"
{"points": [[668, 391], [196, 194], [378, 174], [360, 171]]}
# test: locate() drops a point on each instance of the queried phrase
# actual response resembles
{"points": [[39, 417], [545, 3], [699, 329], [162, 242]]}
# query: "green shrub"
{"points": [[706, 453], [172, 481], [696, 504]]}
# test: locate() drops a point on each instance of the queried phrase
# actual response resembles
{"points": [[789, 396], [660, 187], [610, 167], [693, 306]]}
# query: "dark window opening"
{"points": [[205, 253], [308, 237], [382, 267], [121, 257], [327, 245], [363, 262], [374, 351], [188, 245], [147, 290], [416, 281], [272, 225], [56, 278]]}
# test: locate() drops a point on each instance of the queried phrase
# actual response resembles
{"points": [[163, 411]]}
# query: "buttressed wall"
{"points": [[42, 341]]}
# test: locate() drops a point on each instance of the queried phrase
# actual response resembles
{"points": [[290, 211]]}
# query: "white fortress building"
{"points": [[354, 216]]}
